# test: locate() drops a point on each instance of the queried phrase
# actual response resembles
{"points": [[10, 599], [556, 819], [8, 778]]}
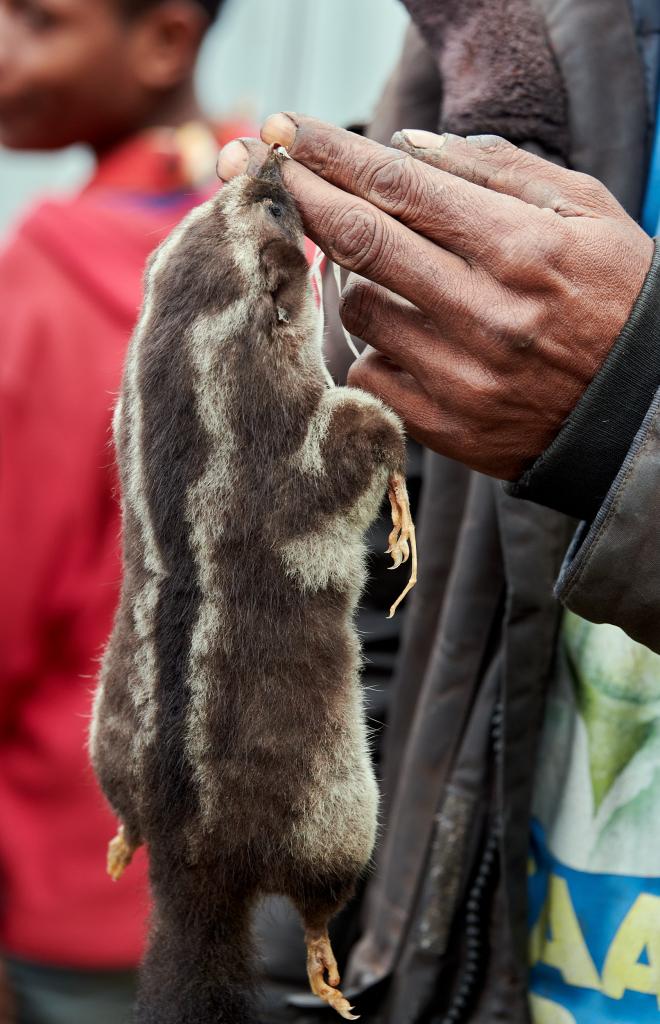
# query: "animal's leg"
{"points": [[120, 854], [321, 961], [402, 538]]}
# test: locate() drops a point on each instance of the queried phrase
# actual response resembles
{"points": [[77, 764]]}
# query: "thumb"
{"points": [[240, 156], [498, 165]]}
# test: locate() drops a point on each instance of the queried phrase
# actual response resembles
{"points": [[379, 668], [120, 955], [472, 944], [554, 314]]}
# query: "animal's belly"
{"points": [[284, 746], [338, 827]]}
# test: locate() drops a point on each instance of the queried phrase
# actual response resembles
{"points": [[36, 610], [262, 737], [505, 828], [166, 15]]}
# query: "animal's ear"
{"points": [[281, 263], [273, 265]]}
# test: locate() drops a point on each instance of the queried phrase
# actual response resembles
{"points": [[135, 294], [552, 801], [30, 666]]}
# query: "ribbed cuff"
{"points": [[575, 472]]}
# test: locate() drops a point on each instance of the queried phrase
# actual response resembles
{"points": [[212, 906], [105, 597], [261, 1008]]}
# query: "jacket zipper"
{"points": [[476, 911]]}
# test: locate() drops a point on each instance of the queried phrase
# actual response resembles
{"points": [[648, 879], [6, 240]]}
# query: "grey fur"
{"points": [[228, 730]]}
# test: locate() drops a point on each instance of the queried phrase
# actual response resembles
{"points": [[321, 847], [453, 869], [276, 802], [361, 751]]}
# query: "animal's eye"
{"points": [[275, 210]]}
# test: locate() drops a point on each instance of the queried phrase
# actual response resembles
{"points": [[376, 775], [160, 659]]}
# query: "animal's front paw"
{"points": [[402, 537], [399, 547]]}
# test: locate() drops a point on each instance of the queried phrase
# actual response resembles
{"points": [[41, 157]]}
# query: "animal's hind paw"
{"points": [[321, 959], [120, 855]]}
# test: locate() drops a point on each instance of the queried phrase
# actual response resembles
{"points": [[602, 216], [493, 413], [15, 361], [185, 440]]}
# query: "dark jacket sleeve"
{"points": [[575, 473], [612, 569], [604, 468]]}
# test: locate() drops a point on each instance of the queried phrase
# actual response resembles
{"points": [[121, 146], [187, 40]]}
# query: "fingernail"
{"points": [[233, 160], [423, 140], [279, 129], [484, 141]]}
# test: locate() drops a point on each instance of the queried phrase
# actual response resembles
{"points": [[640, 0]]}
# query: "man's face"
{"points": [[66, 73]]}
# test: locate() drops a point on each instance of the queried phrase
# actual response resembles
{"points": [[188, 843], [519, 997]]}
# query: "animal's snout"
{"points": [[271, 169]]}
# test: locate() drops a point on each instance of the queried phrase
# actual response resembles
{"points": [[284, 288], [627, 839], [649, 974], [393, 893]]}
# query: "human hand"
{"points": [[494, 283]]}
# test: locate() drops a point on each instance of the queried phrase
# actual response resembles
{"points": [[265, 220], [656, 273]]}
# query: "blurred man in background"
{"points": [[118, 76]]}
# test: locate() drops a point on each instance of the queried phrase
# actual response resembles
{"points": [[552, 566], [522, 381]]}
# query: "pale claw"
{"points": [[397, 558], [392, 539], [400, 552], [320, 959], [402, 537], [120, 854]]}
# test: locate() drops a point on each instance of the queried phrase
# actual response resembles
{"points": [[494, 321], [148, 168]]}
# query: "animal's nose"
{"points": [[271, 167]]}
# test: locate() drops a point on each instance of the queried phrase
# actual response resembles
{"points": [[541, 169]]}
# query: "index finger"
{"points": [[460, 215], [362, 238]]}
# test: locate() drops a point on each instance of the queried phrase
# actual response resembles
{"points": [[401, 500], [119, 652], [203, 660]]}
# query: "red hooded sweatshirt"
{"points": [[70, 290]]}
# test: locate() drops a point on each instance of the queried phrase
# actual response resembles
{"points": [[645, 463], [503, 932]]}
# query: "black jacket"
{"points": [[445, 936]]}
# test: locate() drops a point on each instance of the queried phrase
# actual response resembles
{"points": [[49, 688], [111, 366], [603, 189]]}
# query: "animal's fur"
{"points": [[228, 730]]}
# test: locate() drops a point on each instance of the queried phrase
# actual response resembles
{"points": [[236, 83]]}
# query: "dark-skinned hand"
{"points": [[492, 282]]}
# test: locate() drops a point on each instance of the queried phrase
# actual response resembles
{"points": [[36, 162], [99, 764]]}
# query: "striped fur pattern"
{"points": [[228, 732]]}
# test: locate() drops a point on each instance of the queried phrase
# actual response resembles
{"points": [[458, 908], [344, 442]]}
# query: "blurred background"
{"points": [[327, 57], [70, 290]]}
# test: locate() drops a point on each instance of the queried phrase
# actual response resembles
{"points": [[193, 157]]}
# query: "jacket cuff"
{"points": [[574, 474], [612, 566]]}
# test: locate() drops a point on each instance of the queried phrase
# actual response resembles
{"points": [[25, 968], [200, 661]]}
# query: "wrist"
{"points": [[575, 472]]}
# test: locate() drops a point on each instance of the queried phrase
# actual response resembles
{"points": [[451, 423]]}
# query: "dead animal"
{"points": [[228, 731]]}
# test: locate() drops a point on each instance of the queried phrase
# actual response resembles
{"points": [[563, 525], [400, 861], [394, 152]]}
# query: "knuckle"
{"points": [[398, 182], [513, 165], [368, 374], [526, 333], [513, 326], [360, 375], [587, 185], [530, 251], [516, 249], [553, 247], [319, 150], [382, 176], [357, 237], [487, 391], [491, 143], [357, 306], [497, 157], [582, 192]]}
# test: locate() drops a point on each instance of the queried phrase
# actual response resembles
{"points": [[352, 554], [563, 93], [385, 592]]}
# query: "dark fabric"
{"points": [[447, 685], [413, 93], [496, 57], [647, 26], [575, 472], [534, 541], [609, 115], [480, 636], [613, 566], [56, 995]]}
